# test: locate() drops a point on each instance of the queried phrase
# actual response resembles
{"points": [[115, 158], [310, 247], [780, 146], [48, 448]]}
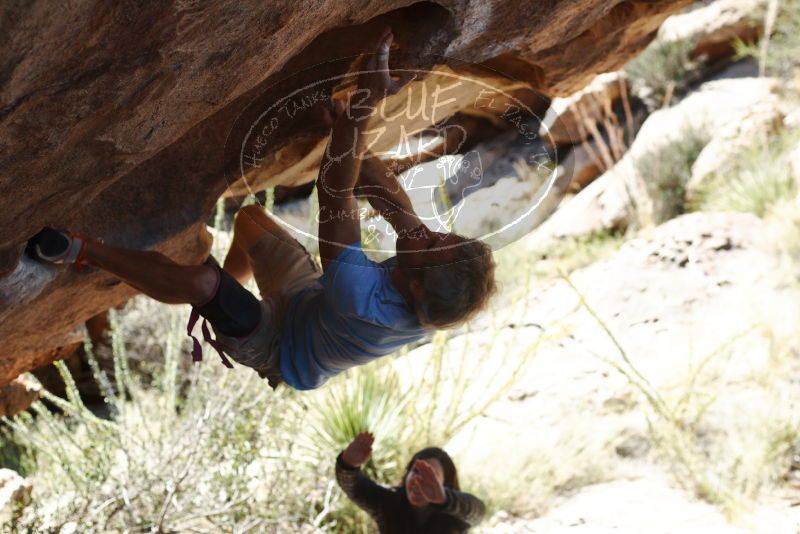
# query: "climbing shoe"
{"points": [[52, 246]]}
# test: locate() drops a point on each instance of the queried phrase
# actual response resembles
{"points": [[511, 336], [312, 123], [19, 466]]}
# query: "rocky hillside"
{"points": [[698, 314]]}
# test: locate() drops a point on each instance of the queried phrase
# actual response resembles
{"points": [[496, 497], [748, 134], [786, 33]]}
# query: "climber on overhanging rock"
{"points": [[310, 325]]}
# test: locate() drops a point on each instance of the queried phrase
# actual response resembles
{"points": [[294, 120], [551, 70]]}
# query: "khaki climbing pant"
{"points": [[281, 267]]}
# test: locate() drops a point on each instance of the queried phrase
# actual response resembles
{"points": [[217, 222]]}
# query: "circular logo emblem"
{"points": [[464, 143]]}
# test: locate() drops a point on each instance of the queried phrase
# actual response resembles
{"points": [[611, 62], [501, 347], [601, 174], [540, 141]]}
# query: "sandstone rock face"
{"points": [[569, 119], [714, 29], [18, 396], [115, 117], [44, 307], [587, 163]]}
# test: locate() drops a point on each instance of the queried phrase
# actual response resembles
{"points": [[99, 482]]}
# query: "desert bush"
{"points": [[664, 69], [205, 449], [574, 452], [757, 179], [667, 170], [729, 456], [220, 458], [778, 51]]}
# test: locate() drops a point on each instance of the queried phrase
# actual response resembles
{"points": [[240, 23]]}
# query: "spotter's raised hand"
{"points": [[359, 450]]}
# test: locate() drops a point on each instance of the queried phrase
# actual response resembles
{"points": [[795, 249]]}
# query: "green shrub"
{"points": [[664, 69], [667, 170], [758, 179], [220, 458], [779, 53], [12, 454]]}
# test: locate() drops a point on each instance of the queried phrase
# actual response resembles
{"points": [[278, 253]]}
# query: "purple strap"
{"points": [[215, 344], [197, 351]]}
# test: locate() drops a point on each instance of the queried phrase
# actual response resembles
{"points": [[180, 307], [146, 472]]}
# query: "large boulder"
{"points": [[719, 155], [698, 292], [715, 27], [115, 117], [17, 396], [643, 502], [625, 195]]}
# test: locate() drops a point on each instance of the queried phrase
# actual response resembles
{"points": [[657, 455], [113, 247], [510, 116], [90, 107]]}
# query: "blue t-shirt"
{"points": [[352, 315]]}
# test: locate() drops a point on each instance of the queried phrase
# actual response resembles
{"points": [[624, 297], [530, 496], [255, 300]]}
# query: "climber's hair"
{"points": [[456, 291]]}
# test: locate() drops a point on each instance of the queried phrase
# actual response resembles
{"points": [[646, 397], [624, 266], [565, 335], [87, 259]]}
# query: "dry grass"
{"points": [[728, 436], [215, 450], [757, 179]]}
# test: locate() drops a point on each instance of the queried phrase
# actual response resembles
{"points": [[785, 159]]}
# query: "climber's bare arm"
{"points": [[339, 222], [385, 194]]}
